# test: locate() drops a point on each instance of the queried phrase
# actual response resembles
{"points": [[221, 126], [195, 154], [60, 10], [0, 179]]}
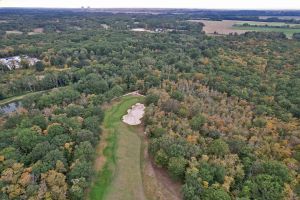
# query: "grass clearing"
{"points": [[287, 31], [120, 177], [226, 27], [254, 23]]}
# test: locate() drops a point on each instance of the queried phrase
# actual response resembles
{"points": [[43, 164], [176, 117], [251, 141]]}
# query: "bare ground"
{"points": [[100, 158], [224, 27], [158, 185]]}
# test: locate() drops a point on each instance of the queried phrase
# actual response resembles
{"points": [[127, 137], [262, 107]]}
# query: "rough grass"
{"points": [[121, 174]]}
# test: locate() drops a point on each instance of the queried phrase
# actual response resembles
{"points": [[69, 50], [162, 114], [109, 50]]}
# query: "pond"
{"points": [[10, 107]]}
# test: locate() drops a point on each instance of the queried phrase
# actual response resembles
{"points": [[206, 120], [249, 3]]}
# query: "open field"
{"points": [[122, 149], [226, 27], [126, 169], [270, 24], [280, 17], [36, 31], [287, 31]]}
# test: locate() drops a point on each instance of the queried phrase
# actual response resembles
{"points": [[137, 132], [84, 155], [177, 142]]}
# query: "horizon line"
{"points": [[163, 8]]}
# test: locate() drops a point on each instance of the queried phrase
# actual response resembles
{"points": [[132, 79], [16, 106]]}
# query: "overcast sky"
{"points": [[209, 4]]}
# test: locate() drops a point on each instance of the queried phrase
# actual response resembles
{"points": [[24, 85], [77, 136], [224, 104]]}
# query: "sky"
{"points": [[201, 4]]}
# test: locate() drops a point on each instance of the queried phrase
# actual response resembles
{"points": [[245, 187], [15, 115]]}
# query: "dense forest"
{"points": [[222, 113]]}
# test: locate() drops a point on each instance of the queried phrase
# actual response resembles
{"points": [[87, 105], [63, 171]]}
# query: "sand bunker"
{"points": [[135, 114], [134, 93]]}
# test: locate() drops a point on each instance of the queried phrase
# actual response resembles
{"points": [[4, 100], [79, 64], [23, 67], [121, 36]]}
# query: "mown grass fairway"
{"points": [[120, 177]]}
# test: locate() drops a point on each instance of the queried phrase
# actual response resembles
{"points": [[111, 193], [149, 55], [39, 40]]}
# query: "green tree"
{"points": [[39, 66], [55, 129], [84, 151], [216, 194], [266, 187], [177, 95], [81, 169], [40, 121], [27, 139], [51, 158], [197, 122], [85, 135], [92, 124], [176, 167], [78, 187], [151, 98], [218, 147], [161, 158], [2, 96]]}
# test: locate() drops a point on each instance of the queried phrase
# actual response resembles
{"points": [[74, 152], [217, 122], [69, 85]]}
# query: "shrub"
{"points": [[197, 122], [218, 147], [161, 158], [39, 66], [176, 167], [151, 99]]}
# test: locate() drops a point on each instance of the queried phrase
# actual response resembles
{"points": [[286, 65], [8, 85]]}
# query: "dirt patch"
{"points": [[100, 158], [36, 31], [157, 182], [135, 114]]}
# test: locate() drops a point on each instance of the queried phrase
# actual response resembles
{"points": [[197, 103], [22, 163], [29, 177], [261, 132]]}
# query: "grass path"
{"points": [[20, 97], [15, 98], [120, 177]]}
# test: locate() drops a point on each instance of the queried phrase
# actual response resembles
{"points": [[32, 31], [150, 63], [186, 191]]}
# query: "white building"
{"points": [[15, 61]]}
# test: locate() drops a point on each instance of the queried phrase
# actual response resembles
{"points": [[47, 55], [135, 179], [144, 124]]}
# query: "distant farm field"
{"points": [[253, 23], [287, 31], [226, 27], [280, 17]]}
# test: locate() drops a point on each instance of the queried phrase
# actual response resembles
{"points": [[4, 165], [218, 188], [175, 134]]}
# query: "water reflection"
{"points": [[11, 107]]}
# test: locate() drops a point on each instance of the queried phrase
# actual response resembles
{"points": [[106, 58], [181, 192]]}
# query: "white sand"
{"points": [[135, 114], [142, 30], [134, 93]]}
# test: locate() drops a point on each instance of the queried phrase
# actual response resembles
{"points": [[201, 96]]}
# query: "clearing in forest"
{"points": [[226, 27], [120, 177], [126, 170]]}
